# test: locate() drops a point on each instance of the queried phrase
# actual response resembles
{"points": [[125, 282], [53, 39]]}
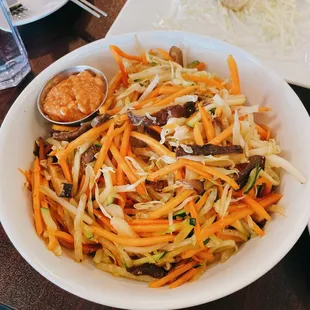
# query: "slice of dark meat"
{"points": [[245, 169], [137, 143], [157, 186], [148, 270], [162, 116], [100, 119], [176, 54], [72, 134], [152, 133], [89, 155], [209, 149]]}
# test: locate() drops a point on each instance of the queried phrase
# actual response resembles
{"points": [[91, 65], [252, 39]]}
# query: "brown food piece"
{"points": [[162, 116], [89, 155], [196, 184], [66, 190], [157, 186], [134, 142], [245, 169], [148, 270], [209, 149], [261, 224], [72, 134], [100, 119], [176, 54]]}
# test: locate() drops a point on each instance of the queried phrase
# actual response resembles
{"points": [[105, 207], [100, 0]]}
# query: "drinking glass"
{"points": [[14, 64]]}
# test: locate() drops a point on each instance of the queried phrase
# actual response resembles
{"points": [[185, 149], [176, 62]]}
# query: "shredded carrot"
{"points": [[211, 171], [206, 256], [261, 132], [65, 168], [201, 66], [267, 185], [120, 64], [168, 206], [234, 75], [269, 200], [164, 54], [151, 222], [197, 135], [125, 55], [127, 170], [222, 136], [203, 79], [204, 174], [191, 253], [64, 236], [203, 199], [183, 279], [36, 196], [114, 111], [256, 207], [194, 214], [156, 129], [172, 275], [234, 207], [229, 237], [152, 228], [172, 97], [153, 144], [166, 170], [128, 241], [218, 112], [207, 123], [257, 229], [107, 140], [222, 223], [104, 220], [267, 130]]}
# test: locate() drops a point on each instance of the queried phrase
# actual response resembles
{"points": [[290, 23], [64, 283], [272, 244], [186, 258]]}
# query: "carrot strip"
{"points": [[41, 149], [207, 123], [64, 236], [206, 256], [194, 214], [122, 240], [234, 207], [201, 66], [222, 136], [105, 148], [125, 55], [197, 135], [269, 200], [120, 64], [104, 220], [191, 253], [156, 128], [257, 229], [127, 170], [65, 168], [56, 127], [268, 185], [153, 144], [203, 79], [187, 276], [38, 221], [203, 199], [201, 173], [227, 220], [256, 207], [267, 130], [166, 170], [168, 206], [234, 75], [164, 54], [172, 275], [172, 97], [151, 222], [211, 171]]}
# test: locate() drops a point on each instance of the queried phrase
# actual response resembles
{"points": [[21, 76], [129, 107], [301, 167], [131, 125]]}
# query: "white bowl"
{"points": [[288, 119]]}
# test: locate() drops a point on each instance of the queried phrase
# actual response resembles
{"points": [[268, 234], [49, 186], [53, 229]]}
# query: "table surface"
{"points": [[285, 287]]}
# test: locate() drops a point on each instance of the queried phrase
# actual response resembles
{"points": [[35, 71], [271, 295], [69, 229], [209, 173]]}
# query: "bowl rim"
{"points": [[71, 71], [197, 299]]}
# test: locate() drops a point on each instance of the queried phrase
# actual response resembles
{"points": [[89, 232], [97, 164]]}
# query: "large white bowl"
{"points": [[288, 119]]}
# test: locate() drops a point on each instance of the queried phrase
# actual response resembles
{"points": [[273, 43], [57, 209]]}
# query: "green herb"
{"points": [[206, 241], [252, 179], [193, 64], [213, 111], [192, 221]]}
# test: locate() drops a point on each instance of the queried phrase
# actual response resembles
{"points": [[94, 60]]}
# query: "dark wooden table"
{"points": [[285, 287]]}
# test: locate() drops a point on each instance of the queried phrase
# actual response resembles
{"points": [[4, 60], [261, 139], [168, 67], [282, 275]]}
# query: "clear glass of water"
{"points": [[14, 64]]}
